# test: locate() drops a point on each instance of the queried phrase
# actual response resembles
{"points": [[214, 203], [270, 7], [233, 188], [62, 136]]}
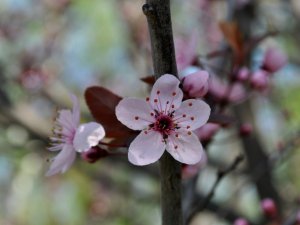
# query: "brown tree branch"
{"points": [[163, 56]]}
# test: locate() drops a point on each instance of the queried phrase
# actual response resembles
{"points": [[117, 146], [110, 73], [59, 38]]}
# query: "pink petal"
{"points": [[217, 87], [260, 80], [196, 84], [192, 114], [76, 110], [56, 147], [274, 60], [237, 93], [146, 148], [243, 74], [185, 147], [166, 95], [207, 131], [134, 113], [88, 135], [62, 162], [65, 118]]}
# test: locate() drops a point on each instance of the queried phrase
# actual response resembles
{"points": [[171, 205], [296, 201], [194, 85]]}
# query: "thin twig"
{"points": [[220, 175]]}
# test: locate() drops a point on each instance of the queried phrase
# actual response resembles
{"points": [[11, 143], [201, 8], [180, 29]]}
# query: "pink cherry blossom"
{"points": [[185, 51], [196, 84], [260, 80], [269, 208], [166, 123], [274, 60], [207, 131], [222, 91], [243, 74], [71, 137]]}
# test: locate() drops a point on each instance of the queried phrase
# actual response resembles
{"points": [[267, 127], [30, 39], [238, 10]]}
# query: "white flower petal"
{"points": [[192, 114], [146, 148], [88, 135], [65, 119], [56, 147], [135, 113], [166, 95], [185, 147], [62, 161]]}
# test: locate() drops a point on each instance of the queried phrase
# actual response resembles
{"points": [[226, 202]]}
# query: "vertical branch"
{"points": [[163, 56], [161, 35]]}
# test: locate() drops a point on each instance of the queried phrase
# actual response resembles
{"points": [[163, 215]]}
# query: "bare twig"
{"points": [[220, 175]]}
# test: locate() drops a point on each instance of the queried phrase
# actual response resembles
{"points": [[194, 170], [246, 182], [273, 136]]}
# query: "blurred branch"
{"points": [[254, 151], [226, 213], [196, 207]]}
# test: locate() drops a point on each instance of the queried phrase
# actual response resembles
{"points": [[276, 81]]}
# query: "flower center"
{"points": [[164, 124]]}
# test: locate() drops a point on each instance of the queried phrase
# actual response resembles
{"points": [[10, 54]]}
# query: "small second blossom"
{"points": [[165, 123], [71, 137]]}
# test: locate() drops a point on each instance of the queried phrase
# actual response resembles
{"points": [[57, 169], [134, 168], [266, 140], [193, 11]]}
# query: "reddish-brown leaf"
{"points": [[102, 103], [233, 36], [149, 80]]}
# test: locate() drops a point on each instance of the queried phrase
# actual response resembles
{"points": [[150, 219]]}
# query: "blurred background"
{"points": [[50, 48]]}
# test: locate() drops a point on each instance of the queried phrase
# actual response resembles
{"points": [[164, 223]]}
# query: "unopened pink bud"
{"points": [[274, 60], [260, 80], [222, 91], [241, 221], [237, 93], [246, 129], [269, 208], [94, 154], [196, 84], [243, 74]]}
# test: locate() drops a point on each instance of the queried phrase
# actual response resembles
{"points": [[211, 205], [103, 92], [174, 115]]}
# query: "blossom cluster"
{"points": [[173, 118], [165, 120]]}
